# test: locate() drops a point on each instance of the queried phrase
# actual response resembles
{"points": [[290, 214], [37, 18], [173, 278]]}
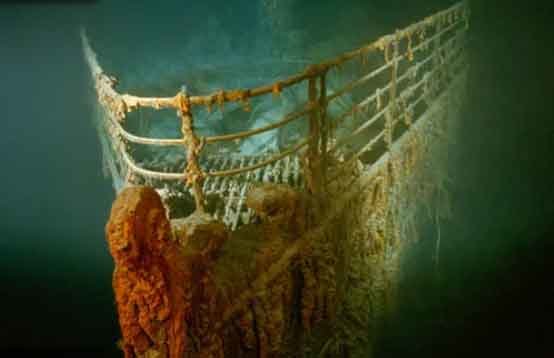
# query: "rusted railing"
{"points": [[421, 58]]}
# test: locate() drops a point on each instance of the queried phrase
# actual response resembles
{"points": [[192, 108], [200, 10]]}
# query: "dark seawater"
{"points": [[493, 292]]}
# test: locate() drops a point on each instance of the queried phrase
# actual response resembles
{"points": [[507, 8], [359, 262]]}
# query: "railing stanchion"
{"points": [[194, 177], [392, 110], [314, 160], [324, 126]]}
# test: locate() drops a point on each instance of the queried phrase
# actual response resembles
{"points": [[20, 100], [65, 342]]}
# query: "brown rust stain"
{"points": [[150, 276]]}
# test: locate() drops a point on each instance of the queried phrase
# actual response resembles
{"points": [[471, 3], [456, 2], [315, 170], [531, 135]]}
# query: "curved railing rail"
{"points": [[421, 59]]}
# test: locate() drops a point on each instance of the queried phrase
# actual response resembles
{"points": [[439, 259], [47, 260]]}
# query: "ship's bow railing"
{"points": [[391, 83]]}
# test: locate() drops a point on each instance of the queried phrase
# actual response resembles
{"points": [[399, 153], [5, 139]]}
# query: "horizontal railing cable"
{"points": [[214, 174], [286, 119], [271, 160], [353, 84], [379, 91], [239, 95]]}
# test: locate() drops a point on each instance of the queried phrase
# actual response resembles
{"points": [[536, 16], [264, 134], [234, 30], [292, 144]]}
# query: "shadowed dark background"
{"points": [[493, 294]]}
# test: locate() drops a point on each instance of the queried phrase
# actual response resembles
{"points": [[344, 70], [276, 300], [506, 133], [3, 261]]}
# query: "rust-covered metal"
{"points": [[151, 280], [289, 250], [194, 176], [415, 39]]}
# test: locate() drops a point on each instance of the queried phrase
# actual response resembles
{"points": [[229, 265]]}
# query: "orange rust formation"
{"points": [[189, 288], [150, 276], [173, 284]]}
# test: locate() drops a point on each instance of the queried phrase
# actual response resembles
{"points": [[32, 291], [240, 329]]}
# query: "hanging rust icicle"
{"points": [[220, 99], [276, 89], [244, 98]]}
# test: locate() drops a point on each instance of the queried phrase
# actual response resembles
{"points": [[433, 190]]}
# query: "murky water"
{"points": [[55, 201]]}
